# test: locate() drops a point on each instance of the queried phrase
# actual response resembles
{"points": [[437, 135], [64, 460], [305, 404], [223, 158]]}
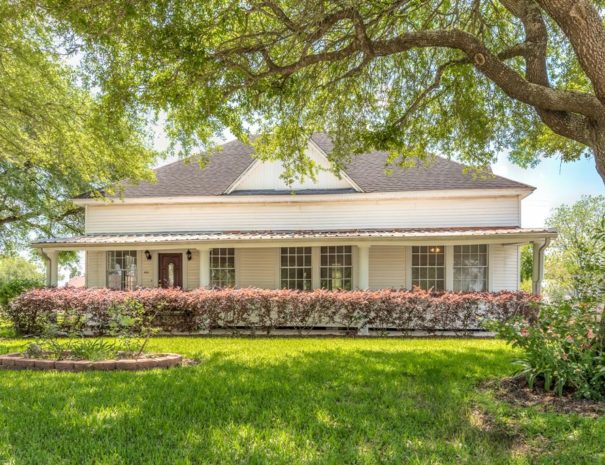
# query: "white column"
{"points": [[204, 266], [52, 270], [538, 269], [363, 265], [363, 276], [449, 267], [316, 267]]}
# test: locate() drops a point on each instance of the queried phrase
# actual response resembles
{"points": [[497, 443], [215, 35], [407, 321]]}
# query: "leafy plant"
{"points": [[132, 325], [561, 348], [128, 323], [113, 312], [14, 287]]}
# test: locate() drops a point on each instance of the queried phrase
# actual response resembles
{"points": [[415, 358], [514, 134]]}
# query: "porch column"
{"points": [[363, 276], [204, 266], [52, 268], [538, 269], [363, 263]]}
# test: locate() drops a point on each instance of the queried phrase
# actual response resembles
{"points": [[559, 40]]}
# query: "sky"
{"points": [[556, 183]]}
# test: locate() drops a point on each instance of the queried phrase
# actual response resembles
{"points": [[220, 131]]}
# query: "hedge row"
{"points": [[265, 310]]}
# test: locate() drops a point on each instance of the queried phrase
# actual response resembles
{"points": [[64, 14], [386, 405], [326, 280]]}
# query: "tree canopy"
{"points": [[462, 78], [575, 262], [57, 141]]}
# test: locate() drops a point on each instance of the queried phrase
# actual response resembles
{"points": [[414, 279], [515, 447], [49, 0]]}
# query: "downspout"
{"points": [[46, 258], [537, 281]]}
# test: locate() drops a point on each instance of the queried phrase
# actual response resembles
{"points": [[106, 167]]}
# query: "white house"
{"points": [[236, 223]]}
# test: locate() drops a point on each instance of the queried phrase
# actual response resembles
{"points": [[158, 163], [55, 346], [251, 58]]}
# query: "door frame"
{"points": [[183, 267]]}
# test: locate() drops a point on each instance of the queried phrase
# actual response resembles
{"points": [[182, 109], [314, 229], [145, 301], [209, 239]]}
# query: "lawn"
{"points": [[290, 401]]}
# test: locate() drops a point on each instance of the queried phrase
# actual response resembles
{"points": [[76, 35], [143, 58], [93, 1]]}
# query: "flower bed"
{"points": [[265, 310]]}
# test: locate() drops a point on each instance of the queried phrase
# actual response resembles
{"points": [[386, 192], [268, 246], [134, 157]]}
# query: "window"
{"points": [[296, 268], [428, 267], [222, 268], [336, 268], [122, 269], [470, 267]]}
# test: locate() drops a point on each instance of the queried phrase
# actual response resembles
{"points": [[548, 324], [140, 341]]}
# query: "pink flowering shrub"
{"points": [[563, 348], [264, 310]]}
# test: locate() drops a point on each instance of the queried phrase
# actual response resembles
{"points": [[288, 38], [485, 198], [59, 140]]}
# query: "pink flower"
{"points": [[524, 332], [569, 339], [590, 334]]}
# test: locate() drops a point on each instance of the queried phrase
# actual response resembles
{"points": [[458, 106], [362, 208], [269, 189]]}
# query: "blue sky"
{"points": [[556, 183]]}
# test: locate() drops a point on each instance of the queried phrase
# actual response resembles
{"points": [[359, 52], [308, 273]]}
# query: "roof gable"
{"points": [[266, 176]]}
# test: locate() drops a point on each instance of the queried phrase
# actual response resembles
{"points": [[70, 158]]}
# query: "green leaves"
{"points": [[56, 140], [290, 68]]}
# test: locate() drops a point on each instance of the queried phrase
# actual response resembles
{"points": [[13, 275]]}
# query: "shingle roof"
{"points": [[201, 236], [187, 178], [368, 171]]}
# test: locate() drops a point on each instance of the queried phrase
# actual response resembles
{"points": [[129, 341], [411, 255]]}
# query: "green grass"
{"points": [[289, 401]]}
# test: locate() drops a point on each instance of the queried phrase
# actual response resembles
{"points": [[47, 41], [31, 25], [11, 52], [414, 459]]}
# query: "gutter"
{"points": [[313, 198]]}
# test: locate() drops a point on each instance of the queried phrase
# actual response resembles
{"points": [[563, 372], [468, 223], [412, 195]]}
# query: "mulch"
{"points": [[515, 391]]}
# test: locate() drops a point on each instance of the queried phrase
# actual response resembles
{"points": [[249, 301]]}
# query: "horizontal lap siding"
{"points": [[193, 271], [334, 215], [387, 267], [95, 269], [504, 263], [256, 267]]}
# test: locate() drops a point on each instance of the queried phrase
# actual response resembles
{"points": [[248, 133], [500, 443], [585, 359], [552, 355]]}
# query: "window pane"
{"points": [[428, 267], [336, 267], [295, 267], [470, 267], [222, 267], [122, 269]]}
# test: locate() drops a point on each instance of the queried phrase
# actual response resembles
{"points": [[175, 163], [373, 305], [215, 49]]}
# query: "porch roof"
{"points": [[285, 235]]}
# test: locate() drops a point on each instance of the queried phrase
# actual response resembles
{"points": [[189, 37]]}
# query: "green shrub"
{"points": [[562, 348], [15, 287]]}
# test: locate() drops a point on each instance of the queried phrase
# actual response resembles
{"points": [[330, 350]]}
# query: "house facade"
{"points": [[237, 223]]}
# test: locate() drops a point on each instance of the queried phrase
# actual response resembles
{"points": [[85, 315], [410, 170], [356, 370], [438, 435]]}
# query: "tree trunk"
{"points": [[599, 155]]}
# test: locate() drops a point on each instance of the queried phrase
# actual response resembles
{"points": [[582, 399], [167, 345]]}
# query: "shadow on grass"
{"points": [[329, 406]]}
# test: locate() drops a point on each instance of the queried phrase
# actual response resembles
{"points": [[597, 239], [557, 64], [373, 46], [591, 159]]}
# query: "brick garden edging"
{"points": [[16, 361]]}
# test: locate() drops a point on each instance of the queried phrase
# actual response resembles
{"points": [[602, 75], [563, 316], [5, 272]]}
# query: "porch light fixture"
{"points": [[188, 255], [148, 255]]}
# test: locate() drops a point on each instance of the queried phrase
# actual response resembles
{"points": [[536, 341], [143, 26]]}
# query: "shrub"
{"points": [[264, 310], [13, 287], [562, 348]]}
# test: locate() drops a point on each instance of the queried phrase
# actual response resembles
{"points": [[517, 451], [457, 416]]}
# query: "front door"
{"points": [[171, 270]]}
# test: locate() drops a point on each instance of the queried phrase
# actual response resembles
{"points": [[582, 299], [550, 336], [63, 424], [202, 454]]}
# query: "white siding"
{"points": [[95, 269], [501, 211], [504, 267], [387, 267], [265, 175], [193, 270], [147, 267], [257, 267]]}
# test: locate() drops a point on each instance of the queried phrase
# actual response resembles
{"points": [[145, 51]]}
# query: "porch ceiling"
{"points": [[357, 234]]}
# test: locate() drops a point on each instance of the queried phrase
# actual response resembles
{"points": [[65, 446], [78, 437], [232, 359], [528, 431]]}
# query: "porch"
{"points": [[459, 259]]}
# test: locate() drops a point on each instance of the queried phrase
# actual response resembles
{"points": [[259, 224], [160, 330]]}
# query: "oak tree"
{"points": [[464, 78], [56, 139]]}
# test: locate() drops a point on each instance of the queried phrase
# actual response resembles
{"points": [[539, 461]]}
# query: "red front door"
{"points": [[171, 270]]}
